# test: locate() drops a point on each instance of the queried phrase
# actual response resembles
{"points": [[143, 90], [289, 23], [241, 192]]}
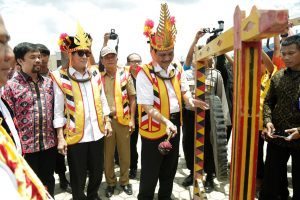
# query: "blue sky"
{"points": [[42, 21]]}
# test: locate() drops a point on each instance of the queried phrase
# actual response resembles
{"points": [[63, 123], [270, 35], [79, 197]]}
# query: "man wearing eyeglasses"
{"points": [[161, 87], [81, 115], [120, 93], [134, 62]]}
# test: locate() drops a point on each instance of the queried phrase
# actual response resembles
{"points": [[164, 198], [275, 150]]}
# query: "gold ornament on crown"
{"points": [[81, 41], [165, 35]]}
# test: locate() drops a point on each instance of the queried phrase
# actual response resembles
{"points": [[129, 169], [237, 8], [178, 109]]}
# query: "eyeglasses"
{"points": [[136, 61], [81, 53]]}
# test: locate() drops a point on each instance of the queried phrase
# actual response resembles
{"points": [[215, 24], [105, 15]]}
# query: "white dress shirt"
{"points": [[92, 130], [144, 88], [8, 119]]}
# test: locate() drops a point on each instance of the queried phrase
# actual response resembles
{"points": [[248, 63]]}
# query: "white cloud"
{"points": [[42, 21]]}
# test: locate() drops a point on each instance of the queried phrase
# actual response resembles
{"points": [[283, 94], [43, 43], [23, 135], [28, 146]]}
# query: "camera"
{"points": [[220, 29], [215, 30], [113, 35], [205, 30]]}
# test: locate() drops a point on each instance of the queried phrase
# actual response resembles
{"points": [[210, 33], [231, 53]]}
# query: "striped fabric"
{"points": [[29, 185], [66, 84], [125, 101]]}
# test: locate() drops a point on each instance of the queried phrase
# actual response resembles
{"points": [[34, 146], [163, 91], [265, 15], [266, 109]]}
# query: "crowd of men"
{"points": [[90, 116]]}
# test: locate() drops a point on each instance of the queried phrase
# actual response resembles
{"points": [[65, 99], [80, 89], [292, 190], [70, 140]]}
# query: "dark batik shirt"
{"points": [[282, 103], [33, 105]]}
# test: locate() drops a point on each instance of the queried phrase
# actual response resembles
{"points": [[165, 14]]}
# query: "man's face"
{"points": [[44, 65], [6, 54], [79, 59], [291, 56], [31, 63], [162, 58], [134, 60], [110, 61], [209, 63]]}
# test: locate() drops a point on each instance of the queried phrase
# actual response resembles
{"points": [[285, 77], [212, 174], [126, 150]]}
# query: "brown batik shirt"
{"points": [[282, 103]]}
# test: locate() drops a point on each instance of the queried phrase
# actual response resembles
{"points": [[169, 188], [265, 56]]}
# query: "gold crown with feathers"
{"points": [[165, 35], [81, 41]]}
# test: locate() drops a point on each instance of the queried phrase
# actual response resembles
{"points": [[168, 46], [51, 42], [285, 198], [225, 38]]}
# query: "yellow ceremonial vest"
{"points": [[74, 108], [29, 185], [264, 88], [148, 127], [121, 96]]}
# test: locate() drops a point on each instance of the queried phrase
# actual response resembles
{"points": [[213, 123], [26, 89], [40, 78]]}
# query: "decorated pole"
{"points": [[245, 38], [199, 136]]}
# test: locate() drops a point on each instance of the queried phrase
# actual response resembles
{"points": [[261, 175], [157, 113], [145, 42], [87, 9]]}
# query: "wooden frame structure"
{"points": [[245, 38]]}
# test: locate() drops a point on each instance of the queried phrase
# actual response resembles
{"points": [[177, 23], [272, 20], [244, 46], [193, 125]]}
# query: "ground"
{"points": [[179, 192]]}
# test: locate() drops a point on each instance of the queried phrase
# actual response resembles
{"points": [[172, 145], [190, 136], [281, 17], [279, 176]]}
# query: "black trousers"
{"points": [[188, 130], [260, 158], [83, 157], [156, 166], [275, 174], [133, 148], [60, 166], [43, 164]]}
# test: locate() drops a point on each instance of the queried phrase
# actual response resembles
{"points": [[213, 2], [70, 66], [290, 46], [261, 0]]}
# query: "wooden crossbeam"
{"points": [[295, 21], [258, 25]]}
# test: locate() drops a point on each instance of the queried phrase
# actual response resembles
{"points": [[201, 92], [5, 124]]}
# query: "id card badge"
{"points": [[209, 85]]}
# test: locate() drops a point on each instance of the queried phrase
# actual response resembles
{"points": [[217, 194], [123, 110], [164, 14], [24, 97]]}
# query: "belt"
{"points": [[174, 115]]}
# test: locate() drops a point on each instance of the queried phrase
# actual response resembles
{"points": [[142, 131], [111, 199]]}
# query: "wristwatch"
{"points": [[107, 119]]}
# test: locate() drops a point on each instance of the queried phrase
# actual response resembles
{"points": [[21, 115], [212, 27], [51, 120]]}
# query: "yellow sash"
{"points": [[74, 107], [148, 127], [29, 185]]}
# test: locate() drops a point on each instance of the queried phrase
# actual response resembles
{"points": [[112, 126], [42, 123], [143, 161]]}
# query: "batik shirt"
{"points": [[32, 104], [282, 103]]}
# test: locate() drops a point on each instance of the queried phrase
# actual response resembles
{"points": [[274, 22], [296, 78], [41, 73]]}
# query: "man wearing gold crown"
{"points": [[18, 179], [160, 88], [81, 115]]}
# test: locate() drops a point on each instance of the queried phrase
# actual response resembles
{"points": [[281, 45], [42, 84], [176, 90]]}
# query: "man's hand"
{"points": [[198, 103], [131, 126], [199, 34], [267, 133], [106, 38], [62, 146], [293, 134], [107, 129], [171, 128]]}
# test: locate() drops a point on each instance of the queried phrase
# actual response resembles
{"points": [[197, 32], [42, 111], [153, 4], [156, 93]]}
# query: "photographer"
{"points": [[108, 36], [120, 94]]}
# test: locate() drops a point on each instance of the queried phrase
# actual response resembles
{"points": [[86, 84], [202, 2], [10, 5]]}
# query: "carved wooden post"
{"points": [[245, 37], [247, 73], [199, 136]]}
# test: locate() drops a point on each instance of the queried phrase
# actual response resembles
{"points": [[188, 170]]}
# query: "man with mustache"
{"points": [[31, 98]]}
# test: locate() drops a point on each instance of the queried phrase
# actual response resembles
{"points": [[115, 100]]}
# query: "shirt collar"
{"points": [[73, 71], [159, 69], [104, 73], [291, 73], [28, 78]]}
